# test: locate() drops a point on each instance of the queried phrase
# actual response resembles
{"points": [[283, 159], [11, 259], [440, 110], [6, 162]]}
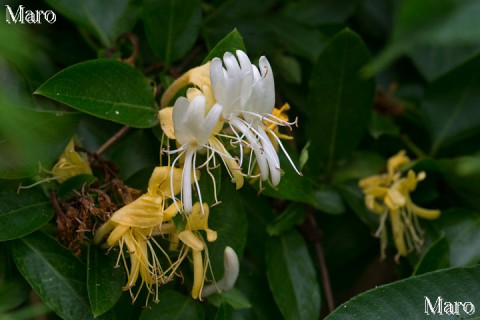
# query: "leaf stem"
{"points": [[112, 140], [314, 234]]}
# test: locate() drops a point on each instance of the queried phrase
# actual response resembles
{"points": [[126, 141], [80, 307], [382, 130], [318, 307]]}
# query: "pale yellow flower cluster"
{"points": [[388, 195]]}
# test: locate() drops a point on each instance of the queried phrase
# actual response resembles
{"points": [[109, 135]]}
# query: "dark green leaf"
{"points": [[232, 297], [430, 22], [340, 101], [435, 258], [328, 200], [292, 186], [316, 13], [354, 197], [173, 305], [104, 280], [406, 299], [293, 215], [292, 278], [231, 43], [12, 294], [382, 125], [226, 312], [22, 213], [462, 231], [171, 26], [230, 221], [41, 140], [54, 273], [451, 105], [135, 153], [107, 89], [101, 18], [433, 61]]}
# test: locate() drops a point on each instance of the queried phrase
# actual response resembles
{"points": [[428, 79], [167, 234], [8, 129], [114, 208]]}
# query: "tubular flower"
{"points": [[134, 224], [194, 131], [388, 195], [247, 95], [192, 241], [70, 163]]}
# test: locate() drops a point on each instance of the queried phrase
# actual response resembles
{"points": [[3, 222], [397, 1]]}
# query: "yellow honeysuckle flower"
{"points": [[134, 224], [70, 163], [388, 195], [192, 241]]}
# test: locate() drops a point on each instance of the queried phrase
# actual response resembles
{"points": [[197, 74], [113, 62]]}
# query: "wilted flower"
{"points": [[388, 195], [70, 164]]}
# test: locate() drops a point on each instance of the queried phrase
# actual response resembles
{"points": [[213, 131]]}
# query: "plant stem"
{"points": [[112, 140], [314, 234]]}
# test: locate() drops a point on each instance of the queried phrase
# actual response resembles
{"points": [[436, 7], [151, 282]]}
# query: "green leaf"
{"points": [[355, 199], [104, 280], [433, 61], [226, 312], [232, 297], [41, 140], [230, 221], [173, 305], [340, 101], [429, 22], [462, 231], [12, 294], [435, 258], [57, 276], [107, 89], [22, 213], [171, 26], [231, 43], [328, 200], [102, 18], [293, 215], [292, 278], [406, 299], [317, 13], [451, 105]]}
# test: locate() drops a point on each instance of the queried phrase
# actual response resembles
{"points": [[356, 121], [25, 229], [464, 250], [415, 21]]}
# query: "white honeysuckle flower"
{"points": [[194, 130], [247, 95]]}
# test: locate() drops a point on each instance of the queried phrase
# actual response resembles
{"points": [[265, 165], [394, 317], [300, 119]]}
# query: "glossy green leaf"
{"points": [[434, 61], [232, 297], [340, 101], [105, 21], [328, 200], [104, 280], [134, 153], [435, 258], [41, 140], [462, 231], [292, 277], [292, 186], [56, 275], [450, 105], [12, 294], [226, 312], [171, 26], [107, 89], [429, 22], [173, 305], [232, 42], [405, 299], [22, 213], [292, 216], [229, 220], [355, 199]]}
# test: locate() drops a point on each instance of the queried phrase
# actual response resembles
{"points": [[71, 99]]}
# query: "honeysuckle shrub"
{"points": [[239, 159]]}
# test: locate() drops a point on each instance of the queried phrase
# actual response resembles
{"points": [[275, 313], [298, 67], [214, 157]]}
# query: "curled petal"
{"points": [[424, 213], [165, 117], [191, 240], [230, 275], [162, 179]]}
